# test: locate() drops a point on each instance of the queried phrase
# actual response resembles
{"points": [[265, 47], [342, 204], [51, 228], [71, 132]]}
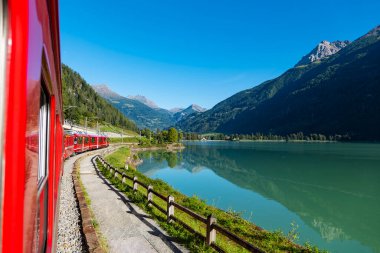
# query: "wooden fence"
{"points": [[210, 222]]}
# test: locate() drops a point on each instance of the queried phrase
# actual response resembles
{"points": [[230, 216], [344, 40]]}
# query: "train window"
{"points": [[42, 175], [43, 137], [93, 139]]}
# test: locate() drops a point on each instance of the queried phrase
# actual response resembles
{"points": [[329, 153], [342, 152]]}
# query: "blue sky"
{"points": [[179, 52]]}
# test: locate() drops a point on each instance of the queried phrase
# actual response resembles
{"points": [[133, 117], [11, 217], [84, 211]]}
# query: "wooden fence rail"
{"points": [[210, 222]]}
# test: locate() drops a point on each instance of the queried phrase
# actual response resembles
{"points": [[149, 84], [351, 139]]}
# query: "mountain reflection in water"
{"points": [[331, 190]]}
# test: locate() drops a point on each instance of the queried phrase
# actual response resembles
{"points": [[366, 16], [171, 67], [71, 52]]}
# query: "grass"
{"points": [[232, 221], [124, 139], [119, 157], [106, 127]]}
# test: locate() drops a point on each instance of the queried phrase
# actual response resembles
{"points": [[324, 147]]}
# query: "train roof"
{"points": [[75, 132]]}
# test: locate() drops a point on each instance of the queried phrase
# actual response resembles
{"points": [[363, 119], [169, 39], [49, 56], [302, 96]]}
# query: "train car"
{"points": [[31, 134], [69, 144], [102, 141], [105, 141], [93, 141], [78, 143], [84, 142]]}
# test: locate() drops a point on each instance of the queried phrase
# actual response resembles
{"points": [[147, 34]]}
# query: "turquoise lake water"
{"points": [[330, 190]]}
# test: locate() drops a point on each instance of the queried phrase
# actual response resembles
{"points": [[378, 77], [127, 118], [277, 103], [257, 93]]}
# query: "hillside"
{"points": [[144, 115], [80, 101], [336, 95]]}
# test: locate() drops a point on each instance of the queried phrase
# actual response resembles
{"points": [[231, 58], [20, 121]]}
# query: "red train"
{"points": [[78, 142], [32, 143]]}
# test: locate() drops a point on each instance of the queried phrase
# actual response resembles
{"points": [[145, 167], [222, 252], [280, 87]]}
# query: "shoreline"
{"points": [[231, 221], [281, 141], [176, 147]]}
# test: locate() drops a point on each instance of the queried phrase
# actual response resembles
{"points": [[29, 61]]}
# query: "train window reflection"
{"points": [[43, 137]]}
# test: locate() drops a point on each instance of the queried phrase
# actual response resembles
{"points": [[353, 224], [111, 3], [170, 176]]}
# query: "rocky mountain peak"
{"points": [[197, 108], [176, 109], [144, 100], [323, 50], [104, 91]]}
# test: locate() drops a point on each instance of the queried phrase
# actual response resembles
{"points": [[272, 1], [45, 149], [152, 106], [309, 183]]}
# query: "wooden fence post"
{"points": [[149, 194], [170, 208], [211, 232], [111, 171], [123, 178], [135, 183]]}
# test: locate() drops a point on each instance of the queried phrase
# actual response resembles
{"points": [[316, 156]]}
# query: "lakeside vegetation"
{"points": [[300, 136], [159, 138], [268, 241]]}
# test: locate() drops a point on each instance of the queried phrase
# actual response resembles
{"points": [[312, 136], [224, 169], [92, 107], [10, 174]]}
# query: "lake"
{"points": [[330, 190]]}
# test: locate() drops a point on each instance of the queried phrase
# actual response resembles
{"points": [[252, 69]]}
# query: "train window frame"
{"points": [[3, 60], [43, 137]]}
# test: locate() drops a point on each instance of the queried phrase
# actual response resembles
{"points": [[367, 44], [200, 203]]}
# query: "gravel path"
{"points": [[125, 226], [69, 235]]}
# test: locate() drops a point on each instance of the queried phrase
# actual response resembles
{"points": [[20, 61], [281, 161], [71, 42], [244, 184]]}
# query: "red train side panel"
{"points": [[32, 149]]}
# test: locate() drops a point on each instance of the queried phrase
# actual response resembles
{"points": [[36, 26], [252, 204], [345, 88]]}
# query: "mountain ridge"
{"points": [[330, 97], [144, 115], [144, 100], [322, 51]]}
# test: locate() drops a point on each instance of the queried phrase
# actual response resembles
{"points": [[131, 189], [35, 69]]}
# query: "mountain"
{"points": [[144, 112], [322, 51], [143, 115], [182, 114], [105, 92], [176, 109], [144, 100], [336, 95], [80, 101]]}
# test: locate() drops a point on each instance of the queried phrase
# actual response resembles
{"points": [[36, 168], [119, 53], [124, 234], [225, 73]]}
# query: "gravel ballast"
{"points": [[69, 229]]}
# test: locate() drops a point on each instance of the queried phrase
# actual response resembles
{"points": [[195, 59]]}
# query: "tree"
{"points": [[172, 159], [172, 135], [180, 136]]}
